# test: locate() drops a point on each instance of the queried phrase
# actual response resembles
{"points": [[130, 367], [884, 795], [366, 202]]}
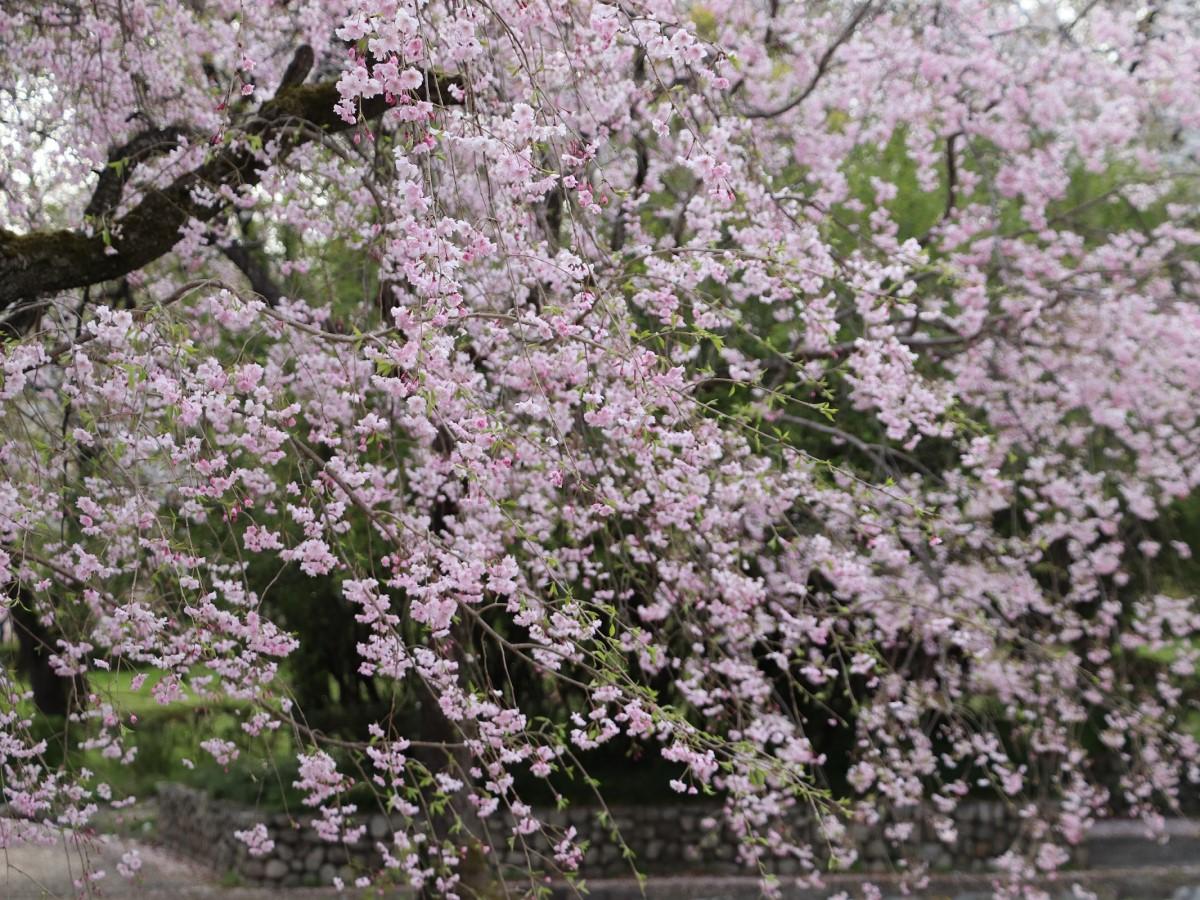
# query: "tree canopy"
{"points": [[799, 394]]}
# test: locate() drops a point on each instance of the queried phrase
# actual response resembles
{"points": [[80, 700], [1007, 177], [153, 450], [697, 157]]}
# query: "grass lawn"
{"points": [[167, 738]]}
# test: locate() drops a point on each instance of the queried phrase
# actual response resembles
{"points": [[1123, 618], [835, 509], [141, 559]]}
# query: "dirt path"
{"points": [[1139, 883], [30, 871]]}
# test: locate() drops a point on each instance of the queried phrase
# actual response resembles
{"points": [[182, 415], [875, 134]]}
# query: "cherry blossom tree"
{"points": [[799, 392]]}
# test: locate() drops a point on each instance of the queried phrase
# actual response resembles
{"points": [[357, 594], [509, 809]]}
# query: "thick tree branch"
{"points": [[121, 163], [298, 68], [32, 265], [256, 272]]}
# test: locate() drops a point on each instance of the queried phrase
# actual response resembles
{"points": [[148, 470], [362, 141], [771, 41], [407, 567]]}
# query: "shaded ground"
{"points": [[1125, 866], [1141, 883], [28, 872], [33, 873]]}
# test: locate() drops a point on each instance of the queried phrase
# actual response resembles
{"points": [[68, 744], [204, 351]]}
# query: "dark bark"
{"points": [[121, 163], [639, 181], [53, 694], [298, 68], [255, 270], [951, 175]]}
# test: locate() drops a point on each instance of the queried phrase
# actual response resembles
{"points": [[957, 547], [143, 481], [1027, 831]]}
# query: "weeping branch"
{"points": [[822, 66]]}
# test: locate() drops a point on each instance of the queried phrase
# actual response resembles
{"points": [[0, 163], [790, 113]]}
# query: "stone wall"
{"points": [[198, 826], [666, 838]]}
